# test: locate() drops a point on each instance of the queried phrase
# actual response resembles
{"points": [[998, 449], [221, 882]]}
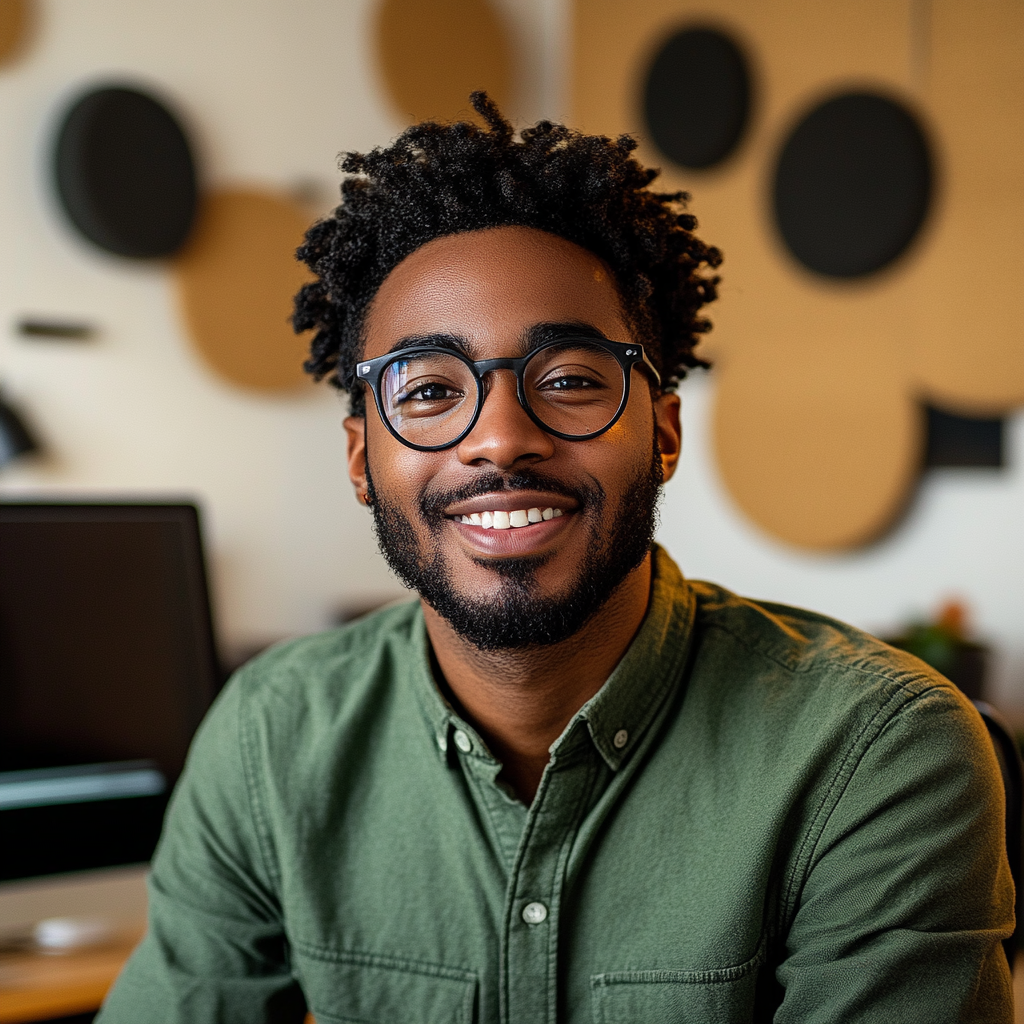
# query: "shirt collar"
{"points": [[619, 714], [435, 708]]}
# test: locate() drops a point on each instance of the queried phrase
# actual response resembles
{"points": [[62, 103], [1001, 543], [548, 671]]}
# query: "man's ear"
{"points": [[670, 431], [355, 429]]}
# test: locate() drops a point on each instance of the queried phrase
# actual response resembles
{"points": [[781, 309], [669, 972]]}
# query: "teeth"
{"points": [[509, 520]]}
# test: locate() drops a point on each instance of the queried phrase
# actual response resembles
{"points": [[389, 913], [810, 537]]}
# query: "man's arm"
{"points": [[215, 948], [907, 893]]}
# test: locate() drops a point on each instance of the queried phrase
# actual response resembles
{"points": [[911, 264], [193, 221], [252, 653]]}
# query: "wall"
{"points": [[817, 380], [962, 537], [272, 91]]}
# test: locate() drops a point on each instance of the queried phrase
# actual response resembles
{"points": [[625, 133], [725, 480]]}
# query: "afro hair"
{"points": [[441, 179]]}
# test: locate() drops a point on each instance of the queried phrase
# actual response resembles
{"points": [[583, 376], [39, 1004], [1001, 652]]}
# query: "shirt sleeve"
{"points": [[907, 894], [215, 947]]}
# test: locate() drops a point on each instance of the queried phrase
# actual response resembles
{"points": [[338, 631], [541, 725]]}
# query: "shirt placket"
{"points": [[529, 985]]}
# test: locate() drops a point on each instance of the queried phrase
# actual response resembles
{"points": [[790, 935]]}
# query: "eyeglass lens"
{"points": [[573, 388]]}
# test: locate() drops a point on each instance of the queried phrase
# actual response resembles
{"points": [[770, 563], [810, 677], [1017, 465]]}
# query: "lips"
{"points": [[504, 523]]}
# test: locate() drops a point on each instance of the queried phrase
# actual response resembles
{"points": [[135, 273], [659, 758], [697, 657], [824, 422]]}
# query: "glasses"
{"points": [[575, 388]]}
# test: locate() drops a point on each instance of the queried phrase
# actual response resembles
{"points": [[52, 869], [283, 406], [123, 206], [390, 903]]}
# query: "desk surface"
{"points": [[39, 986]]}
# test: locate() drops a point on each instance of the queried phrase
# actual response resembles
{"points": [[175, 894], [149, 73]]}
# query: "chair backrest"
{"points": [[1008, 756]]}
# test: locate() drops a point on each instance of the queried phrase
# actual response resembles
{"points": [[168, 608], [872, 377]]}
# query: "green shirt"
{"points": [[763, 815]]}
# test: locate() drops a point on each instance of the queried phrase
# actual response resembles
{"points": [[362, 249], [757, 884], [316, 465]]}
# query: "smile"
{"points": [[500, 520]]}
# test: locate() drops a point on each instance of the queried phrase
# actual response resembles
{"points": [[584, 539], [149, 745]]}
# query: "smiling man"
{"points": [[565, 784]]}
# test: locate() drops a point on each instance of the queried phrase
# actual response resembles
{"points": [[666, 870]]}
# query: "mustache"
{"points": [[434, 502]]}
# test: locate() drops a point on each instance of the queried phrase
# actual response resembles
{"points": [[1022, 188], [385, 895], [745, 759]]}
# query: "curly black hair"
{"points": [[441, 179]]}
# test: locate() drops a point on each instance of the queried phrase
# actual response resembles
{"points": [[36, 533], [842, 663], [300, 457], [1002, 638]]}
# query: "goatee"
{"points": [[515, 615]]}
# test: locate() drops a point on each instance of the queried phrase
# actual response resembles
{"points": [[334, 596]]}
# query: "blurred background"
{"points": [[809, 475], [855, 449]]}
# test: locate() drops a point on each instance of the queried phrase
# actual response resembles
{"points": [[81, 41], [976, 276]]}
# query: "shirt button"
{"points": [[463, 742], [620, 739], [535, 913]]}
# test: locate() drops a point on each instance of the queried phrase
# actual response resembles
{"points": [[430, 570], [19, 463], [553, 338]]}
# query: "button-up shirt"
{"points": [[762, 815]]}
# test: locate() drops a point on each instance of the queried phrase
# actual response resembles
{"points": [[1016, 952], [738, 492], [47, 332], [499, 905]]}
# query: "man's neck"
{"points": [[520, 701]]}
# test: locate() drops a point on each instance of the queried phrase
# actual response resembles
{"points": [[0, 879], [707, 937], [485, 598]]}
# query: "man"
{"points": [[566, 784]]}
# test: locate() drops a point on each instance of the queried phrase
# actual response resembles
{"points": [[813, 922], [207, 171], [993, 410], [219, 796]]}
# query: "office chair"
{"points": [[1008, 756]]}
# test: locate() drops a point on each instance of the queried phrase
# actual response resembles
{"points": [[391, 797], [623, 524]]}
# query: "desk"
{"points": [[39, 986]]}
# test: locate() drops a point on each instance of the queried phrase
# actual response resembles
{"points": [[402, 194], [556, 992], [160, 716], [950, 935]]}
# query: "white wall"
{"points": [[272, 92]]}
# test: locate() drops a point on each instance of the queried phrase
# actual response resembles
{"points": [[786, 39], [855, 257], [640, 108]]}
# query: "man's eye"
{"points": [[568, 382], [430, 393]]}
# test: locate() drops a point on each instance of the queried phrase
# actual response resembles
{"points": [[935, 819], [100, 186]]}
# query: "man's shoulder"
{"points": [[788, 703], [807, 654], [333, 666], [288, 719]]}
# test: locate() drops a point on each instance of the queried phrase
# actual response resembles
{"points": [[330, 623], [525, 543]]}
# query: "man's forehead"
{"points": [[492, 285]]}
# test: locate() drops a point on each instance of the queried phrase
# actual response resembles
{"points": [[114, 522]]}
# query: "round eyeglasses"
{"points": [[430, 397]]}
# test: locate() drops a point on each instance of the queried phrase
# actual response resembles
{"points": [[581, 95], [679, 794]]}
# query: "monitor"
{"points": [[107, 665]]}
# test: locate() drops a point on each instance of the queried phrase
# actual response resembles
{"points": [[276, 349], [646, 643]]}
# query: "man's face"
{"points": [[531, 584]]}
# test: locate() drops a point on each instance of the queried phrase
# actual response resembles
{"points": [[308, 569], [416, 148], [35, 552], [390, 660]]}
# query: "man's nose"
{"points": [[504, 435]]}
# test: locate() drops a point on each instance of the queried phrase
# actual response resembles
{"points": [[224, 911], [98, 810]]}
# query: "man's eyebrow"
{"points": [[432, 341], [531, 338], [540, 334]]}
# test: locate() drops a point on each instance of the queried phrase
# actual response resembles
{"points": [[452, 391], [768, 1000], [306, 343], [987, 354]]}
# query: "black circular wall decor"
{"points": [[125, 174], [853, 184], [697, 97]]}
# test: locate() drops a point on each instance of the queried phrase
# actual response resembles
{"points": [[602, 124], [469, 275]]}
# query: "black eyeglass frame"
{"points": [[370, 372]]}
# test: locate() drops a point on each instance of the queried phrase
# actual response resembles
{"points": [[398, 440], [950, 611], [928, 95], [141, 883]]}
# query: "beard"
{"points": [[515, 615]]}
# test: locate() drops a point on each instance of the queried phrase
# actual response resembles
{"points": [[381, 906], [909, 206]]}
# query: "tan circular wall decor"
{"points": [[236, 279], [432, 55], [16, 18], [819, 422]]}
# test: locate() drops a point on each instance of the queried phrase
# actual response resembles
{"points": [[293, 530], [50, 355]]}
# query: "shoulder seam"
{"points": [[846, 665]]}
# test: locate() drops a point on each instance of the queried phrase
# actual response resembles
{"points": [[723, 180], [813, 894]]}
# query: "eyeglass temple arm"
{"points": [[647, 362]]}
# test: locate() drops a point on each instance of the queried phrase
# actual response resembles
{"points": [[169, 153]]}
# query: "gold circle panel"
{"points": [[432, 55], [236, 279]]}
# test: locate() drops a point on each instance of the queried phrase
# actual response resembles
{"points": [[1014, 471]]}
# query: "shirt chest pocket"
{"points": [[363, 988], [676, 997]]}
